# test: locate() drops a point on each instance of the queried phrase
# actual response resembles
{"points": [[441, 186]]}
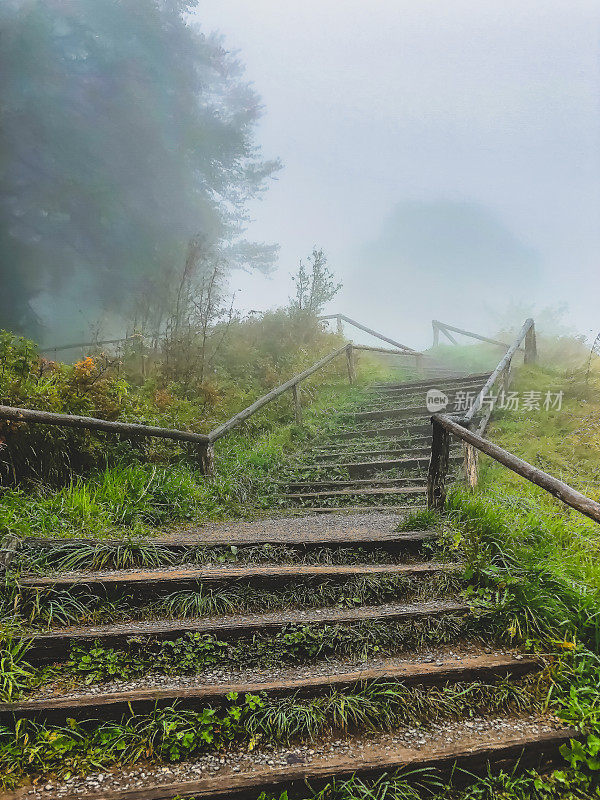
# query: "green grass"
{"points": [[50, 606], [173, 734], [126, 500]]}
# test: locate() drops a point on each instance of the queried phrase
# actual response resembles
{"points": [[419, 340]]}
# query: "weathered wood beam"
{"points": [[571, 497], [438, 466], [297, 404], [217, 433], [368, 330], [502, 365], [382, 350], [444, 327], [93, 424], [447, 334]]}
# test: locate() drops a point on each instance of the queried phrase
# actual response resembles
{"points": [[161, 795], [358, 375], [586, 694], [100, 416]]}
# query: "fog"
{"points": [[444, 155]]}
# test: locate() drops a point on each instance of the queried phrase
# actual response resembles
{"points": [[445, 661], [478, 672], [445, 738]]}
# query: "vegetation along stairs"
{"points": [[258, 655]]}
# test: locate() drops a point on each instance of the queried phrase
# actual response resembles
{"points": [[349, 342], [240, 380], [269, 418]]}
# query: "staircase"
{"points": [[376, 453], [337, 610]]}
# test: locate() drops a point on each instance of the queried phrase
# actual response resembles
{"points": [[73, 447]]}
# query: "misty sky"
{"points": [[445, 155]]}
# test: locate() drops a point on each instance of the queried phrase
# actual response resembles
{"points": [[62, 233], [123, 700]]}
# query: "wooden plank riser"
{"points": [[55, 645], [112, 705], [345, 539], [149, 582], [247, 786]]}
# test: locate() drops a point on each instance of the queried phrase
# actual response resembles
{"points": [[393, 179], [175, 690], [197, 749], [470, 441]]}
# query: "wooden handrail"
{"points": [[217, 433], [436, 482], [203, 440], [444, 328], [503, 365], [93, 424], [440, 439], [371, 332], [383, 350], [75, 345]]}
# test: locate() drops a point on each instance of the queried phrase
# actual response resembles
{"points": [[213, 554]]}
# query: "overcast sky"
{"points": [[444, 154]]}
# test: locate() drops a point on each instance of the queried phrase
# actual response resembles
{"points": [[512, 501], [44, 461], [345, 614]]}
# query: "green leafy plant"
{"points": [[15, 673]]}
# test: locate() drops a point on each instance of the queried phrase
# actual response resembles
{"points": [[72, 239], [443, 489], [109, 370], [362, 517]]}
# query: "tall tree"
{"points": [[124, 132]]}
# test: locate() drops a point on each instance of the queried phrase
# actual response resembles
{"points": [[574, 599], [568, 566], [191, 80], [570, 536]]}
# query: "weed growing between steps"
{"points": [[172, 734], [566, 784], [194, 652], [80, 605], [93, 556], [16, 675]]}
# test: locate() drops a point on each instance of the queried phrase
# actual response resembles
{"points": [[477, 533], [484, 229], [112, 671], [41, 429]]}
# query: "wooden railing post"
{"points": [[350, 360], [8, 551], [436, 333], [206, 454], [530, 346], [438, 466], [340, 327], [297, 404], [419, 363], [471, 459]]}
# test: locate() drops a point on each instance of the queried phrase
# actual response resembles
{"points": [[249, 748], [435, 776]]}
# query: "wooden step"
{"points": [[524, 743], [398, 452], [356, 493], [419, 395], [386, 454], [56, 643], [111, 704], [419, 442], [408, 431], [343, 484], [433, 383], [153, 579], [418, 392], [402, 412], [352, 447], [294, 532], [355, 509]]}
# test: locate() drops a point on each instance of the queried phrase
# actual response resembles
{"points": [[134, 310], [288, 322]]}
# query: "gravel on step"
{"points": [[435, 738], [294, 525], [220, 675]]}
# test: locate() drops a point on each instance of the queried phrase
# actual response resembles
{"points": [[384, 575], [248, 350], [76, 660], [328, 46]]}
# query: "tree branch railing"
{"points": [[525, 340], [343, 318], [203, 441], [444, 328], [135, 337], [445, 425]]}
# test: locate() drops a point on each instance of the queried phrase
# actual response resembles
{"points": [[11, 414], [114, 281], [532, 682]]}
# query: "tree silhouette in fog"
{"points": [[124, 132]]}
